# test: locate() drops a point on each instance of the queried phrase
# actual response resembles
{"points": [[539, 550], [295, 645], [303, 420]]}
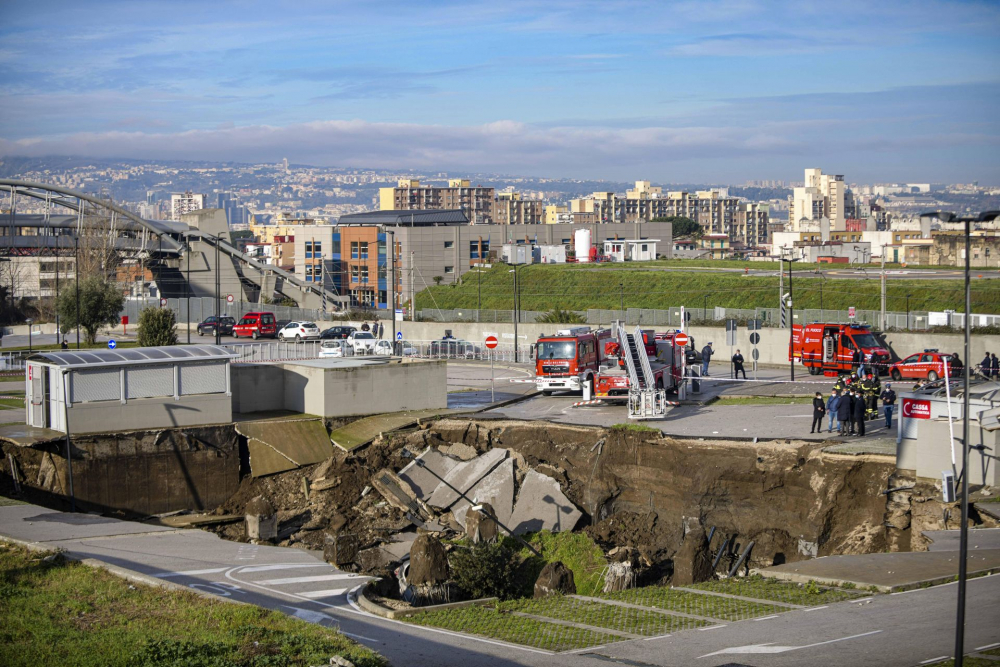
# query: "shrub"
{"points": [[157, 327], [560, 316], [486, 570]]}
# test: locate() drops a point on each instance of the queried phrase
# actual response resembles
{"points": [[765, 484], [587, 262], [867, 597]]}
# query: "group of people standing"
{"points": [[989, 368], [376, 328], [852, 402]]}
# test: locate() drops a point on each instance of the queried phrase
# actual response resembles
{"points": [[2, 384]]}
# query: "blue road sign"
{"points": [[112, 344], [399, 335]]}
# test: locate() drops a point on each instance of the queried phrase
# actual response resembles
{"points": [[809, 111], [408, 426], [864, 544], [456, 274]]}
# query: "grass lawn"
{"points": [[780, 591], [575, 550], [609, 616], [11, 402], [65, 613], [968, 661], [710, 606], [505, 626], [544, 287], [764, 400]]}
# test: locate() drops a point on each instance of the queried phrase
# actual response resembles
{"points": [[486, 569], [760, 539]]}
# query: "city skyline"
{"points": [[718, 92]]}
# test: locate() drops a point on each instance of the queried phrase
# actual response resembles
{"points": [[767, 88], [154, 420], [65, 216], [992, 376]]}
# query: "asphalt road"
{"points": [[904, 629]]}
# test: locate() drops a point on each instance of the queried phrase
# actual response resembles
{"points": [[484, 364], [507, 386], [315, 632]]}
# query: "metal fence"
{"points": [[12, 361], [419, 349], [770, 317], [202, 308]]}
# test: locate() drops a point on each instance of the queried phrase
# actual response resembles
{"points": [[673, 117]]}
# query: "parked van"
{"points": [[256, 325]]}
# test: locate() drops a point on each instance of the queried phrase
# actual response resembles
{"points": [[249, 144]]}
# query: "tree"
{"points": [[100, 304], [560, 316], [682, 226], [438, 279], [157, 327]]}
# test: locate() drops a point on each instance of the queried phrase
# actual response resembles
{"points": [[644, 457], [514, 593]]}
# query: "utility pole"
{"points": [[218, 329], [76, 274], [392, 278], [413, 294], [883, 289], [187, 290], [791, 320], [781, 278]]}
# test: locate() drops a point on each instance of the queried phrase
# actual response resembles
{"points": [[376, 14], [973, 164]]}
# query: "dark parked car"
{"points": [[225, 326], [337, 333]]}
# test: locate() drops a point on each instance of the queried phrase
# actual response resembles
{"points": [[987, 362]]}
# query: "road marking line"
{"points": [[771, 647], [988, 646], [765, 618], [713, 627], [826, 606], [286, 566], [862, 600], [189, 573], [649, 639], [367, 639], [937, 659], [325, 594], [307, 580]]}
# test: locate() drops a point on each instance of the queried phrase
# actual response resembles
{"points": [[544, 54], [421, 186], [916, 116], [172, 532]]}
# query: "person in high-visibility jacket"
{"points": [[866, 388]]}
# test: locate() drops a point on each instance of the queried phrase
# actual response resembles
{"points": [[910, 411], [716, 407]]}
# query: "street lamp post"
{"points": [[29, 334], [517, 303], [76, 275], [963, 539]]}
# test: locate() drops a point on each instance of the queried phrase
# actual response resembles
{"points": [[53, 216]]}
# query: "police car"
{"points": [[928, 364]]}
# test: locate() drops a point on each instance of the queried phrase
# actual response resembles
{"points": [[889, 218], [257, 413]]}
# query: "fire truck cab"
{"points": [[570, 359], [831, 349]]}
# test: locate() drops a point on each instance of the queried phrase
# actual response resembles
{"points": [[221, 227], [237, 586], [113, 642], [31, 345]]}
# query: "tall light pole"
{"points": [[882, 278], [963, 538], [516, 317]]}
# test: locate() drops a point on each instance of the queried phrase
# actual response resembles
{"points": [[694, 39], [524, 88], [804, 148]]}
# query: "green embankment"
{"points": [[573, 287]]}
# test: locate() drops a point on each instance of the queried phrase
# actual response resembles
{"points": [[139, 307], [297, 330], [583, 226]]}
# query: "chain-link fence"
{"points": [[419, 349], [671, 317]]}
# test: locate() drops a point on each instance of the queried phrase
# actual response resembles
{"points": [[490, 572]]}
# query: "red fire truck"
{"points": [[831, 349], [569, 359], [664, 362]]}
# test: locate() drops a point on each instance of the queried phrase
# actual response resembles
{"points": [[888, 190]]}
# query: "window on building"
{"points": [[383, 270], [354, 249], [383, 297], [449, 269], [449, 244], [363, 248], [318, 248], [354, 274], [364, 274], [309, 248]]}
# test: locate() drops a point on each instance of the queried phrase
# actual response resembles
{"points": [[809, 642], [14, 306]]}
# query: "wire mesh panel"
{"points": [[149, 381], [207, 377], [96, 385]]}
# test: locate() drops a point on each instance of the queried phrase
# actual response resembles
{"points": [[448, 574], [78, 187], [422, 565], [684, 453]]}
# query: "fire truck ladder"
{"points": [[644, 400]]}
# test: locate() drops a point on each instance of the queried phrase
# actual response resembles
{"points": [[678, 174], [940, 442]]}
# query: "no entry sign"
{"points": [[681, 339], [491, 342]]}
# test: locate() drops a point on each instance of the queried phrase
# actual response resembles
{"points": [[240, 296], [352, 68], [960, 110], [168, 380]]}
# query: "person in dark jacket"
{"points": [[738, 365], [832, 404], [994, 366], [888, 404], [859, 409], [985, 366], [956, 364], [706, 358], [844, 411], [819, 409]]}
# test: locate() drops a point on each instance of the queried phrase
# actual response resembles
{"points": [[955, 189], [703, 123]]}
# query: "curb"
{"points": [[396, 614], [899, 588], [118, 571]]}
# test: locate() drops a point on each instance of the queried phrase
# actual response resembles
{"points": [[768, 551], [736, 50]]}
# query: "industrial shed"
{"points": [[121, 390]]}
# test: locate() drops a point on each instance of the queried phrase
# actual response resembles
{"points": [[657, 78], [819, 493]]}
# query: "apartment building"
{"points": [[181, 203], [555, 214], [821, 196], [511, 209], [476, 202]]}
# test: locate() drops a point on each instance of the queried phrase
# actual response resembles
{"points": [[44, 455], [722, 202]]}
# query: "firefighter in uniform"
{"points": [[876, 388], [865, 386]]}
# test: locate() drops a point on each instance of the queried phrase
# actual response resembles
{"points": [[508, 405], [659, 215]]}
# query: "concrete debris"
{"points": [[555, 578], [323, 484], [497, 489], [261, 520], [296, 443], [618, 577], [428, 562], [398, 493], [460, 451], [424, 473], [541, 505], [341, 550], [321, 470], [463, 477], [338, 661], [693, 562], [480, 524]]}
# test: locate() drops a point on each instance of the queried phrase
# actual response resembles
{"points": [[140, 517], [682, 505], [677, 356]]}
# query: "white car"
{"points": [[336, 348], [383, 348], [363, 342], [299, 331]]}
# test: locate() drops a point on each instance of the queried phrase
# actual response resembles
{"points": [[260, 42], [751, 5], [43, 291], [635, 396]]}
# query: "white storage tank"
{"points": [[582, 245]]}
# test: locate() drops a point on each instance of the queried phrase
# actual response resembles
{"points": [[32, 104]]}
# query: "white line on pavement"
{"points": [[988, 646], [765, 618], [325, 594], [189, 573], [937, 659], [826, 606], [283, 566], [713, 627], [307, 580]]}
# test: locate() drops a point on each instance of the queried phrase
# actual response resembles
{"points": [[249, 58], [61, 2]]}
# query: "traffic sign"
{"points": [[112, 344], [755, 353], [755, 338], [851, 312], [163, 302], [229, 298], [681, 339], [491, 342], [399, 335]]}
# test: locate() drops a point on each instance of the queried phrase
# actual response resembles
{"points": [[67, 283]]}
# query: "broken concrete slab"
{"points": [[299, 442], [496, 488], [398, 493], [541, 505], [463, 477], [424, 474], [480, 524]]}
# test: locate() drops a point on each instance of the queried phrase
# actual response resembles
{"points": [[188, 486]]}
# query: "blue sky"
{"points": [[701, 90]]}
